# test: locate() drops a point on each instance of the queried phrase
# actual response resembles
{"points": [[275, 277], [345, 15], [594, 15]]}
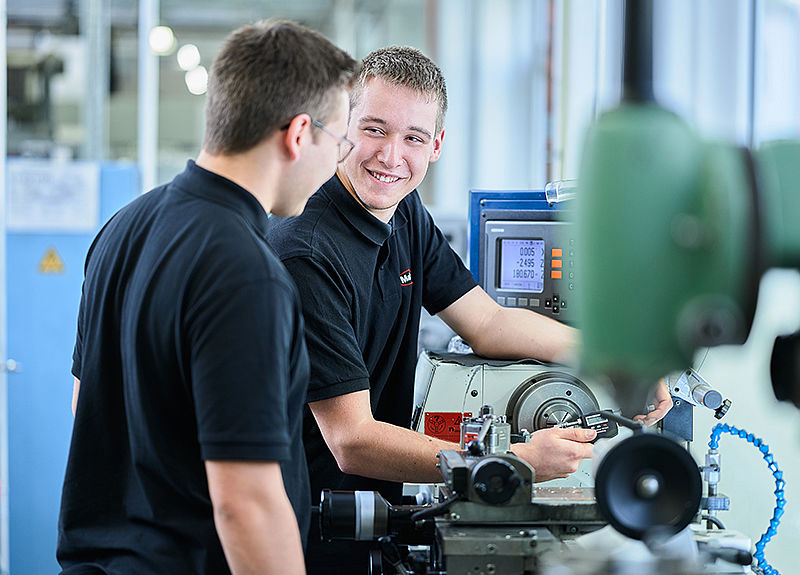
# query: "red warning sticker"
{"points": [[445, 425]]}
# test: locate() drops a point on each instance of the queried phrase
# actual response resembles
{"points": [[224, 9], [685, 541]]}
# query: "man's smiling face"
{"points": [[394, 131]]}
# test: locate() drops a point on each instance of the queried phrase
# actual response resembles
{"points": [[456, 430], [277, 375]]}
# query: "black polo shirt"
{"points": [[189, 348], [363, 283]]}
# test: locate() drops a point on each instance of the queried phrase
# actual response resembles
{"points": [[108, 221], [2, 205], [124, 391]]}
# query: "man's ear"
{"points": [[437, 146], [299, 129]]}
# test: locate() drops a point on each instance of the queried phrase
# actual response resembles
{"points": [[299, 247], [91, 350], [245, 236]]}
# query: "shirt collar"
{"points": [[359, 218], [219, 189]]}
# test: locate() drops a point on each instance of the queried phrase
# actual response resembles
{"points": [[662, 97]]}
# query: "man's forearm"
{"points": [[508, 333], [258, 541], [76, 388], [518, 333], [254, 518], [383, 451]]}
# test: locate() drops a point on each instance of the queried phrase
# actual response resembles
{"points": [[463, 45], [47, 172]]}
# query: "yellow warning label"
{"points": [[51, 262]]}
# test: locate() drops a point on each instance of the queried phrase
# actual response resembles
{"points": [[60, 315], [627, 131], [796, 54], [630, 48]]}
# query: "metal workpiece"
{"points": [[501, 550]]}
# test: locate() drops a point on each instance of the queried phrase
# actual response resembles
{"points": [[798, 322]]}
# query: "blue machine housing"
{"points": [[495, 217]]}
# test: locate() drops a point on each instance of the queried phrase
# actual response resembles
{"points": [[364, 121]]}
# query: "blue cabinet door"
{"points": [[44, 277]]}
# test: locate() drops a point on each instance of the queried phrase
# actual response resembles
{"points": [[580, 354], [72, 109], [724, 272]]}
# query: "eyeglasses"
{"points": [[345, 145]]}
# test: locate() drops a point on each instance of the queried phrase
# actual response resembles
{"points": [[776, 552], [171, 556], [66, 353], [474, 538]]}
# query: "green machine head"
{"points": [[674, 234]]}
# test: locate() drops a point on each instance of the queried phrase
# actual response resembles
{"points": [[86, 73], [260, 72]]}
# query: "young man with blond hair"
{"points": [[367, 257]]}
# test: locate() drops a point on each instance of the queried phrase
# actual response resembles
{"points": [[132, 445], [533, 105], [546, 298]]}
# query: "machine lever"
{"points": [[475, 447]]}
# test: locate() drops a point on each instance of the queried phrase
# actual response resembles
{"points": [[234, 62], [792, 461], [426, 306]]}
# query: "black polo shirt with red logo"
{"points": [[362, 285]]}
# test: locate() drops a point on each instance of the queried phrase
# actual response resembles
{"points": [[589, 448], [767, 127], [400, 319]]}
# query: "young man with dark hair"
{"points": [[367, 257], [190, 365]]}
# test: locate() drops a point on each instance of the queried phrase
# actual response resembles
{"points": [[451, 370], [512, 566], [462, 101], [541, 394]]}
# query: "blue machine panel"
{"points": [[42, 311], [522, 251]]}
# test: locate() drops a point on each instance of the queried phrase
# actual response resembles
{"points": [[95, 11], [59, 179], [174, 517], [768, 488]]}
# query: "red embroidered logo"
{"points": [[405, 278]]}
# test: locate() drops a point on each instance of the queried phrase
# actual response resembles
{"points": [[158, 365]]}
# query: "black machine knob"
{"points": [[648, 483], [720, 412], [495, 481], [475, 448], [784, 368]]}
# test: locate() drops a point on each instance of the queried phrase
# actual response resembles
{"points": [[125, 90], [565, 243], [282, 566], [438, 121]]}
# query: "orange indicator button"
{"points": [[555, 274], [556, 252], [556, 263]]}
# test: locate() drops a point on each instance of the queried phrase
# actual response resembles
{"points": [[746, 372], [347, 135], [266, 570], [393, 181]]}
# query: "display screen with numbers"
{"points": [[522, 265]]}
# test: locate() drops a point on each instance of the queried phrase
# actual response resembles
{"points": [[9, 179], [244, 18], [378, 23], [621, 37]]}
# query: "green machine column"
{"points": [[667, 257]]}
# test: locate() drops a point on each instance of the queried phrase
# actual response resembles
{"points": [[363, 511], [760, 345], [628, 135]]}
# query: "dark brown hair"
{"points": [[265, 74]]}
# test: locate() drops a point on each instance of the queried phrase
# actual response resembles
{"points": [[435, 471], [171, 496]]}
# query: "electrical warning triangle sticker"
{"points": [[51, 262]]}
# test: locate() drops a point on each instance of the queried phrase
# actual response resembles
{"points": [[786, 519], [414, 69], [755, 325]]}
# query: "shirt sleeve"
{"points": [[239, 340], [446, 276], [77, 352], [326, 296]]}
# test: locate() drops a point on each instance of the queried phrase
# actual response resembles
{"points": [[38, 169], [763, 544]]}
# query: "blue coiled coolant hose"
{"points": [[780, 502]]}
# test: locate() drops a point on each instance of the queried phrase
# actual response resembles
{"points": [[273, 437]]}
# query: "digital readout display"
{"points": [[522, 265]]}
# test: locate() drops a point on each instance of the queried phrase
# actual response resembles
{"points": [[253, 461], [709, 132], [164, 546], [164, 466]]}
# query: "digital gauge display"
{"points": [[522, 265]]}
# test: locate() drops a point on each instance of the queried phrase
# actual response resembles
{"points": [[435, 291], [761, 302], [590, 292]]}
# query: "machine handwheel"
{"points": [[648, 482]]}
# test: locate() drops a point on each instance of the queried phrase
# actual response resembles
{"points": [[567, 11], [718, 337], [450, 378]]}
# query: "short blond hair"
{"points": [[408, 67]]}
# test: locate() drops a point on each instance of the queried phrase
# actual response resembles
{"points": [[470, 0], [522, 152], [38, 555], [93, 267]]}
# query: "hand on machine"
{"points": [[549, 410], [490, 515]]}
